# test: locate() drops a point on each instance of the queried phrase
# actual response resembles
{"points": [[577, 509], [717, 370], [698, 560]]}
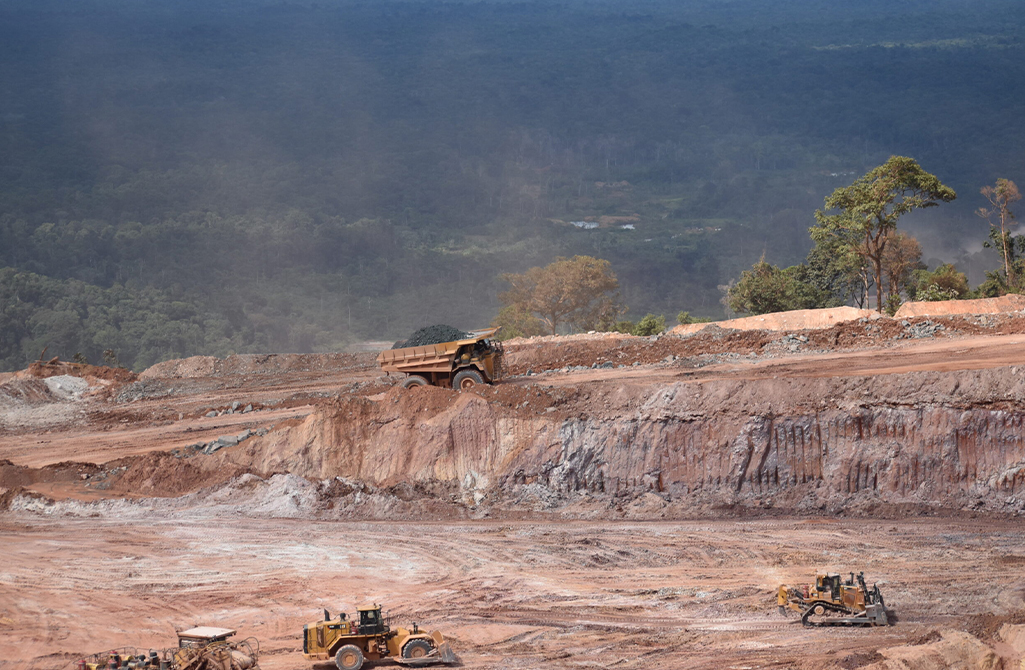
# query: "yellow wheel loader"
{"points": [[833, 601], [351, 642]]}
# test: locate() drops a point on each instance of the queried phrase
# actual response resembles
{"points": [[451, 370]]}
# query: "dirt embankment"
{"points": [[869, 416], [941, 440], [1002, 305], [256, 364]]}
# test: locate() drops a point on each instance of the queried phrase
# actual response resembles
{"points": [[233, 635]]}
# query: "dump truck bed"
{"points": [[428, 358]]}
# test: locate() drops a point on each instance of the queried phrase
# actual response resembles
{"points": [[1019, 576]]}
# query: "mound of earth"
{"points": [[254, 364], [954, 649], [798, 319], [1006, 303], [19, 392], [56, 368]]}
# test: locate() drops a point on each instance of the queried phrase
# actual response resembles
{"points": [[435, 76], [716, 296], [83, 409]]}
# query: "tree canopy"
{"points": [[870, 208], [766, 288], [578, 291]]}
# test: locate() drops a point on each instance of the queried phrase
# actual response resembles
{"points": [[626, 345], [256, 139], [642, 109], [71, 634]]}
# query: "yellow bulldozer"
{"points": [[834, 601], [350, 642]]}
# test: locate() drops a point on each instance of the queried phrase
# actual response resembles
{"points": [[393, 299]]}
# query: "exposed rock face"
{"points": [[938, 439]]}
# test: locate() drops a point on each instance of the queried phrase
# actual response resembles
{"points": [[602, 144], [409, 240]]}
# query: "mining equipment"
{"points": [[207, 648], [460, 364], [202, 648], [834, 601], [351, 642]]}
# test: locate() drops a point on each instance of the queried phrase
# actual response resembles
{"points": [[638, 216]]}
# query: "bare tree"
{"points": [[1001, 196]]}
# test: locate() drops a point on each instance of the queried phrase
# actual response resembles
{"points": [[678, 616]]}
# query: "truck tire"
{"points": [[466, 380], [417, 648], [412, 381], [349, 657]]}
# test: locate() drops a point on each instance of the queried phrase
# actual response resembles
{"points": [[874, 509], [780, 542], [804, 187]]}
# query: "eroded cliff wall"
{"points": [[940, 439]]}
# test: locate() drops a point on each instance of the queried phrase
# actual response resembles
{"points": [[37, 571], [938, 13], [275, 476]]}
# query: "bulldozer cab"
{"points": [[829, 584], [370, 621]]}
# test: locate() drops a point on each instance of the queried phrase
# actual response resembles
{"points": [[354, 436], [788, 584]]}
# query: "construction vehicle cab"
{"points": [[370, 621], [828, 584]]}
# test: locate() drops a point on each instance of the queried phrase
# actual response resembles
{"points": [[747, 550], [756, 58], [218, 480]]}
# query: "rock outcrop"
{"points": [[945, 440]]}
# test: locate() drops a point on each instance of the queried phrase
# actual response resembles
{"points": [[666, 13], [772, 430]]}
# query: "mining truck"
{"points": [[834, 601], [460, 364], [351, 642]]}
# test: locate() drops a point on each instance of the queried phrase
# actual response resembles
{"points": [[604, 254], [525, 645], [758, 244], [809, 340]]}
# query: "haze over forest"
{"points": [[182, 178]]}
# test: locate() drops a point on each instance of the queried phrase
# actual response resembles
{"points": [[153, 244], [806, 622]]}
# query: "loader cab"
{"points": [[370, 620]]}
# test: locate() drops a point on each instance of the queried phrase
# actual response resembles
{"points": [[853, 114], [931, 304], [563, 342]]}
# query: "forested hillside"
{"points": [[207, 177]]}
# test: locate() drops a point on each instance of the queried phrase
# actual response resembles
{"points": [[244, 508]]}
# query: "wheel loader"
{"points": [[460, 364], [350, 642], [834, 601]]}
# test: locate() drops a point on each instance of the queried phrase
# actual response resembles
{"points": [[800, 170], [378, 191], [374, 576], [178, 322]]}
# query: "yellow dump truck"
{"points": [[461, 364]]}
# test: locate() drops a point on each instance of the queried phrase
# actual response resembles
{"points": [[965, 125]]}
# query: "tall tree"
{"points": [[1000, 197], [871, 206], [580, 291]]}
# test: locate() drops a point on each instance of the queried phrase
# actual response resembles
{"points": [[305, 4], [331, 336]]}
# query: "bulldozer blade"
{"points": [[441, 654]]}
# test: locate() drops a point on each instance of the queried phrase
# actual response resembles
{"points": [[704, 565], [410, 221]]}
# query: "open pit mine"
{"points": [[610, 501]]}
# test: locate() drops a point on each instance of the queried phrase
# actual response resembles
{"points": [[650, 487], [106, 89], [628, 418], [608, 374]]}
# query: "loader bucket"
{"points": [[440, 654]]}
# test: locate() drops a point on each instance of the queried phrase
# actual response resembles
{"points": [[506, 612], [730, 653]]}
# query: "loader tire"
{"points": [[416, 648], [466, 380], [349, 657], [413, 381]]}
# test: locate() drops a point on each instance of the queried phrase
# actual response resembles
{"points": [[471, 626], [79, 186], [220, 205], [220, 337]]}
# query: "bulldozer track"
{"points": [[555, 620]]}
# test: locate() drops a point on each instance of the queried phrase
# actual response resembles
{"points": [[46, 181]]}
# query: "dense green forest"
{"points": [[233, 175]]}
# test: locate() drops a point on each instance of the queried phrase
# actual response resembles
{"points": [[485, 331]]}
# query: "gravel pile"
{"points": [[432, 335], [67, 387], [920, 330]]}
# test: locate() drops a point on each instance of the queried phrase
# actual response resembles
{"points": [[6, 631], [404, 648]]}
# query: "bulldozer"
{"points": [[834, 601], [351, 642]]}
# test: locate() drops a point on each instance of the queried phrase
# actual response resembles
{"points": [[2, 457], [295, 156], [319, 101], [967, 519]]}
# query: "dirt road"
{"points": [[510, 595]]}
